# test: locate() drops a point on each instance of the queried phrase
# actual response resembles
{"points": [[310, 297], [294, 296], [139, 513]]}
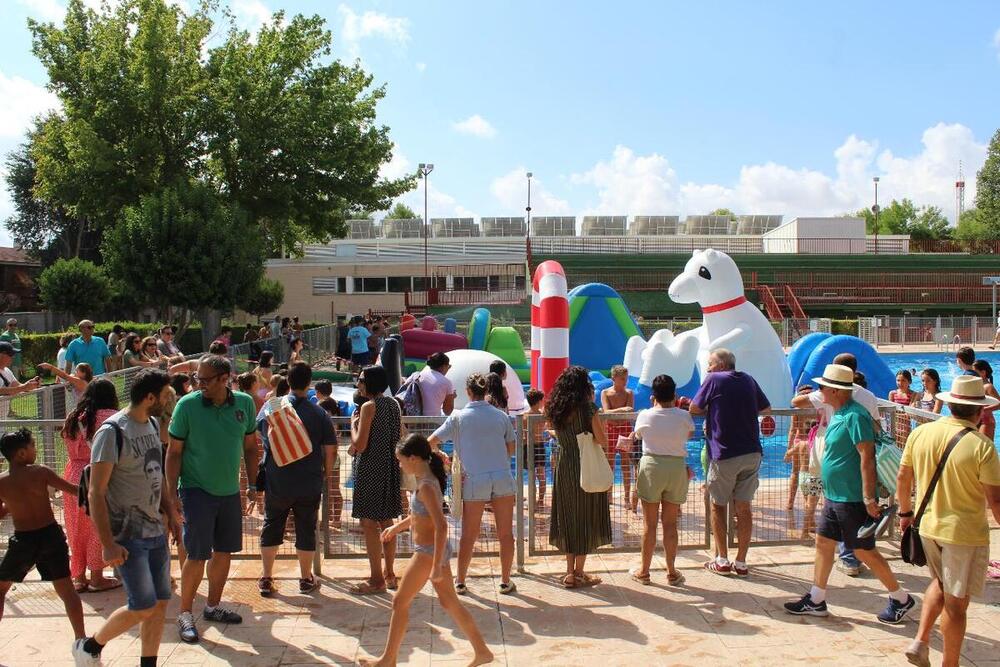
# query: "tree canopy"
{"points": [[402, 212], [161, 106], [74, 286], [902, 217], [988, 190]]}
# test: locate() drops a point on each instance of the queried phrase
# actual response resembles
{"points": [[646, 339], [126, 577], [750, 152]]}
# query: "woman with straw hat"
{"points": [[848, 472]]}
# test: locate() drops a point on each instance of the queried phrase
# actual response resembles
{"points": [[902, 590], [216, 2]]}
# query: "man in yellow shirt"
{"points": [[953, 529]]}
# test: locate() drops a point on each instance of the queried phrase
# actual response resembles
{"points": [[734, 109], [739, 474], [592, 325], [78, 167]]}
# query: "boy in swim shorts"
{"points": [[38, 541]]}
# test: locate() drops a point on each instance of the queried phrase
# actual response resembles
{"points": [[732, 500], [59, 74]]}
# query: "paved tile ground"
{"points": [[707, 621]]}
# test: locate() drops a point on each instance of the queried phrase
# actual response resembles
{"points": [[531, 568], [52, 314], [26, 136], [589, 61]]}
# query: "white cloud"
{"points": [[20, 101], [46, 10], [397, 167], [251, 15], [358, 27], [421, 67], [477, 126], [511, 191], [632, 184]]}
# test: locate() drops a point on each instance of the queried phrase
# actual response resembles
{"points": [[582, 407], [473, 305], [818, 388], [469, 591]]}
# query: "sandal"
{"points": [[366, 588], [108, 585], [265, 586], [638, 576], [569, 581], [81, 586], [391, 582], [584, 580], [675, 579]]}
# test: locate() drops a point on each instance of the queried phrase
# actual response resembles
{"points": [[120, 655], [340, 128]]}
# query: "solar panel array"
{"points": [[362, 229], [454, 228], [654, 225], [707, 225], [402, 228], [502, 226], [553, 226], [603, 225], [757, 224]]}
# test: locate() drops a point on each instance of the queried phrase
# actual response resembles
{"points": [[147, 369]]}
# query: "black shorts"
{"points": [[840, 522], [45, 549], [304, 511], [360, 359]]}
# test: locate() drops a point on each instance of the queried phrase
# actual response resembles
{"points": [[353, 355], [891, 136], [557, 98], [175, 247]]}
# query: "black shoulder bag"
{"points": [[910, 546]]}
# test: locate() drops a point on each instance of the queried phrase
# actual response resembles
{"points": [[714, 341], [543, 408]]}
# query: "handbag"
{"points": [[910, 546], [595, 473], [887, 459], [456, 477], [287, 436]]}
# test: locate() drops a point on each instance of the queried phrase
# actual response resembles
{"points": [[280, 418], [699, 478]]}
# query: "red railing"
{"points": [[770, 303], [463, 298], [793, 303]]}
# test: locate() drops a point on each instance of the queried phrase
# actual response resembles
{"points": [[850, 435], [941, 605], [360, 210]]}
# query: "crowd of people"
{"points": [[167, 465]]}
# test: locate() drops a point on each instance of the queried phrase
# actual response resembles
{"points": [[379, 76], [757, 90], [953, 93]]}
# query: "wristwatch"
{"points": [[905, 515], [869, 501], [252, 487]]}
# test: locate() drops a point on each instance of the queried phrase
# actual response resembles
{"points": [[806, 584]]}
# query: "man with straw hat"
{"points": [[849, 488], [953, 527]]}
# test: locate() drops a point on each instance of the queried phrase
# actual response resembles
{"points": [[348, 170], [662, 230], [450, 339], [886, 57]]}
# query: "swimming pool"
{"points": [[942, 362]]}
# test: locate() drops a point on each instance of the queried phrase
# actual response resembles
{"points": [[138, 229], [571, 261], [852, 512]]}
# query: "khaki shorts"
{"points": [[961, 568], [662, 479], [734, 479]]}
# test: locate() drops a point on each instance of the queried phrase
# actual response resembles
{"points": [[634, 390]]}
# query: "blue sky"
{"points": [[648, 108]]}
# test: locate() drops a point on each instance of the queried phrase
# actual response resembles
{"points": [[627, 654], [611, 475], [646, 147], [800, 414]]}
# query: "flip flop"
{"points": [[110, 585], [639, 577], [365, 588], [675, 579]]}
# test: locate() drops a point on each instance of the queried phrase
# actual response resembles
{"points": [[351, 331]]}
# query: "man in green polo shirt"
{"points": [[210, 431]]}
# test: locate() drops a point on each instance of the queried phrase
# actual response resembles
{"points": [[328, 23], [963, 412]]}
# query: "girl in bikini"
{"points": [[431, 553]]}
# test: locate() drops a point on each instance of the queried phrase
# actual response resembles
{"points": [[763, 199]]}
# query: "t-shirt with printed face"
{"points": [[137, 479], [841, 473], [359, 340]]}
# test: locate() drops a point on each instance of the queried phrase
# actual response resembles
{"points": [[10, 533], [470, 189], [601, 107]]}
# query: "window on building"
{"points": [[399, 284], [372, 284]]}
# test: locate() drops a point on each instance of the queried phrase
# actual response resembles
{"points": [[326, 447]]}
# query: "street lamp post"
{"points": [[527, 229], [875, 211], [424, 171]]}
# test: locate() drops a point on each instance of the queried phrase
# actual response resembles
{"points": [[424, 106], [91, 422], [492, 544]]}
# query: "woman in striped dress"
{"points": [[581, 521]]}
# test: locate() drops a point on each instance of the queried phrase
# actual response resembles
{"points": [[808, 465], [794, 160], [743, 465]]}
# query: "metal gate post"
{"points": [[519, 492]]}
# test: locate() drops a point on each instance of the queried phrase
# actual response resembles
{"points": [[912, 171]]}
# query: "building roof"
{"points": [[16, 256]]}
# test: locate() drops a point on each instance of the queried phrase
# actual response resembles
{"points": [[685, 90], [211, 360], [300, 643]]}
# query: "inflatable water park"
{"points": [[590, 325]]}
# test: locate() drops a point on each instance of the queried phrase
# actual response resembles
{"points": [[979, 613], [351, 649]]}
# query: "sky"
{"points": [[644, 108]]}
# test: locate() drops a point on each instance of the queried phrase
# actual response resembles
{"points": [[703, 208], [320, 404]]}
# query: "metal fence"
{"points": [[55, 401], [943, 332], [320, 349], [781, 514]]}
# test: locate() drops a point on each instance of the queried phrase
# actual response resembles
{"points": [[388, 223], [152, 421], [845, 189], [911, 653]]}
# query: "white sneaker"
{"points": [[81, 657]]}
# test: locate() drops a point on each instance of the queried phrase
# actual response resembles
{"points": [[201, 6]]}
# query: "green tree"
{"points": [[44, 230], [74, 286], [266, 297], [892, 219], [724, 211], [971, 228], [929, 224], [988, 188], [185, 248], [269, 122], [401, 212], [294, 140]]}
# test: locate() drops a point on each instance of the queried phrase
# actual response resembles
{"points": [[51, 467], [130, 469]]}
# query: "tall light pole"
{"points": [[527, 229], [424, 171], [875, 211]]}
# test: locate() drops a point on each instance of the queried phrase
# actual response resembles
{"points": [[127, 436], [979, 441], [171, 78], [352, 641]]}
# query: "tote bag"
{"points": [[456, 476], [286, 434], [595, 473], [887, 459]]}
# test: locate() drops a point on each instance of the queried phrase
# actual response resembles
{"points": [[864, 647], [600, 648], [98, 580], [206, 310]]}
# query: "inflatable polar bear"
{"points": [[712, 280]]}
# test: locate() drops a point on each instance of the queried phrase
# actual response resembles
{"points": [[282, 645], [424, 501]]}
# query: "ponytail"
{"points": [[417, 445], [437, 467]]}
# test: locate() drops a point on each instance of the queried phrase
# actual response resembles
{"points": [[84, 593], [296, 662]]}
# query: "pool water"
{"points": [[942, 362]]}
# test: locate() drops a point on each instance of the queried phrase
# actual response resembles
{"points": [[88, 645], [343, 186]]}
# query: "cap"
{"points": [[6, 348]]}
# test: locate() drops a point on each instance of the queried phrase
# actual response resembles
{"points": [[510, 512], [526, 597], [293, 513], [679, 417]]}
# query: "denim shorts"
{"points": [[145, 574], [487, 486], [211, 523]]}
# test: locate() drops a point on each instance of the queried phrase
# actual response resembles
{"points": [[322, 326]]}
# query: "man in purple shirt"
{"points": [[731, 402]]}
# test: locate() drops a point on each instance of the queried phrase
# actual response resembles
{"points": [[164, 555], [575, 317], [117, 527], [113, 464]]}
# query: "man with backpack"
{"points": [[128, 507]]}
